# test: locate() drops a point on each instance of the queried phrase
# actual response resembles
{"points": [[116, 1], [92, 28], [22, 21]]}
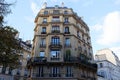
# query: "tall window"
{"points": [[42, 41], [66, 20], [55, 72], [55, 19], [43, 29], [66, 30], [44, 20], [78, 34], [69, 71], [55, 54], [101, 65], [56, 12], [55, 40], [40, 73], [42, 54], [67, 41], [55, 28]]}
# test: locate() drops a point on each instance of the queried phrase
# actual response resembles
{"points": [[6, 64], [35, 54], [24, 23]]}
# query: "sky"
{"points": [[102, 17]]}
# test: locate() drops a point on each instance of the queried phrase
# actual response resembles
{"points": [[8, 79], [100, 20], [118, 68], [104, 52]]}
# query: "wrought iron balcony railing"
{"points": [[39, 59], [81, 61], [43, 32], [55, 31], [54, 75], [67, 32], [55, 45]]}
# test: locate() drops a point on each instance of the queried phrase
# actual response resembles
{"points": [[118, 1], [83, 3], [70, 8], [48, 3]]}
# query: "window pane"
{"points": [[55, 53], [43, 29], [43, 41], [67, 41], [42, 54], [66, 29]]}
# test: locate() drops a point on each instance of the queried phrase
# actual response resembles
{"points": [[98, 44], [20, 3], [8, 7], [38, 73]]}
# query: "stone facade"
{"points": [[61, 46]]}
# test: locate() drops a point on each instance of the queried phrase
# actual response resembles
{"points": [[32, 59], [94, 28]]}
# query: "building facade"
{"points": [[108, 64], [62, 47], [21, 72]]}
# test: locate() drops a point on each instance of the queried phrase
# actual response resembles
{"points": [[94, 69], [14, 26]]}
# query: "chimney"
{"points": [[62, 4], [44, 5]]}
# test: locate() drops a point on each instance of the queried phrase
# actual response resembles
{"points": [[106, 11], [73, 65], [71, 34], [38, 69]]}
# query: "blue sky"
{"points": [[102, 17]]}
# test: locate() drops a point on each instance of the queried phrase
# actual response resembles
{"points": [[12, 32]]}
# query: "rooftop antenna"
{"points": [[44, 5], [62, 4]]}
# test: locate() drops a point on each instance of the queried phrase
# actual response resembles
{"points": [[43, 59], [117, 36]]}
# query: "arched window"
{"points": [[66, 30]]}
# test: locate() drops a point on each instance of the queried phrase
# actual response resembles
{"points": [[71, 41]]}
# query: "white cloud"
{"points": [[110, 28], [34, 7]]}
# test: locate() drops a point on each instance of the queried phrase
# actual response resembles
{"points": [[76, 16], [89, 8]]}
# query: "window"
{"points": [[56, 12], [42, 41], [66, 29], [55, 54], [40, 73], [45, 12], [44, 20], [55, 72], [101, 65], [67, 41], [69, 71], [55, 29], [66, 20], [43, 30], [78, 34], [55, 41], [42, 54], [65, 12], [55, 19]]}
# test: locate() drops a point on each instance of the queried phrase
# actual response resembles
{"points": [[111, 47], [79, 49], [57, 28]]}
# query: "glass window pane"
{"points": [[42, 54]]}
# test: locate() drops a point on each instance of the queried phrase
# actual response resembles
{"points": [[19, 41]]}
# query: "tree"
{"points": [[4, 10], [9, 46]]}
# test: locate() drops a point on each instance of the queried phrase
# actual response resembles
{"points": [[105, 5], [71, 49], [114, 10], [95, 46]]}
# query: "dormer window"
{"points": [[56, 12]]}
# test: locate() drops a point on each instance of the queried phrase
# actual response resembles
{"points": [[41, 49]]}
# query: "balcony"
{"points": [[54, 58], [55, 31], [39, 59], [69, 75], [42, 45], [43, 32], [55, 45], [84, 62], [44, 22], [55, 20], [67, 32], [54, 75]]}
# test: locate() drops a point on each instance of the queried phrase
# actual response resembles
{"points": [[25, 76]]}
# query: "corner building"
{"points": [[61, 46]]}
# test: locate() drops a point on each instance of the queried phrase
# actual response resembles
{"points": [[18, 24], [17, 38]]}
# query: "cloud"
{"points": [[110, 29], [34, 7]]}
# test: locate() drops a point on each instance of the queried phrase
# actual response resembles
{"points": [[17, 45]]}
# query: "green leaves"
{"points": [[9, 46]]}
